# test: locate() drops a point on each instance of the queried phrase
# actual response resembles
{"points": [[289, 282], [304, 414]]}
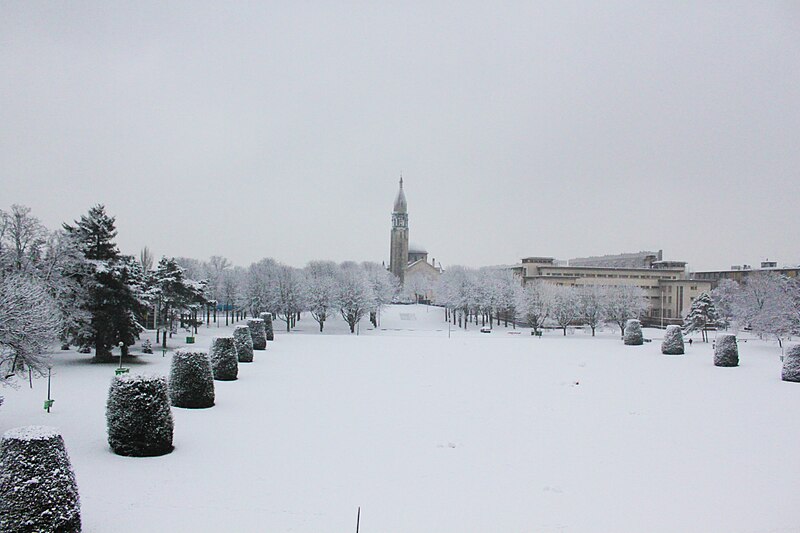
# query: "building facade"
{"points": [[668, 289], [740, 273]]}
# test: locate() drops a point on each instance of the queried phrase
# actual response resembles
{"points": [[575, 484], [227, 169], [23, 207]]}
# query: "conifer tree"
{"points": [[701, 315], [111, 300]]}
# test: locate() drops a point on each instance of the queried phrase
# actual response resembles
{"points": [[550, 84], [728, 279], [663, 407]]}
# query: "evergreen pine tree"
{"points": [[701, 315], [111, 300]]}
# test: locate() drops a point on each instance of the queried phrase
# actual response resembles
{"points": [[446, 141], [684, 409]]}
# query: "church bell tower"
{"points": [[398, 258]]}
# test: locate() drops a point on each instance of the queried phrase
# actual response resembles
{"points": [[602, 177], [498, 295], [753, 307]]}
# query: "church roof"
{"points": [[400, 205]]}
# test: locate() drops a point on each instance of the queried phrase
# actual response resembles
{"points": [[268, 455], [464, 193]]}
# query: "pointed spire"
{"points": [[400, 205]]}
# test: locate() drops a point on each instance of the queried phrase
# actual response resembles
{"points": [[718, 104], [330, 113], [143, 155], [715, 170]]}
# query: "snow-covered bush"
{"points": [[138, 416], [224, 363], [147, 346], [673, 341], [267, 318], [244, 344], [726, 351], [37, 484], [791, 364], [257, 333], [633, 333], [191, 383]]}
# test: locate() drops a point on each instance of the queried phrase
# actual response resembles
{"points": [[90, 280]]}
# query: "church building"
{"points": [[405, 261]]}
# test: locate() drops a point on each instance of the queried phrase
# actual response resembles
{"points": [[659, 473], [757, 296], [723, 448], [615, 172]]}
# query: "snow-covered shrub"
{"points": [[791, 364], [633, 333], [673, 341], [257, 333], [147, 346], [37, 484], [191, 383], [726, 351], [267, 318], [85, 349], [224, 363], [244, 344], [138, 416]]}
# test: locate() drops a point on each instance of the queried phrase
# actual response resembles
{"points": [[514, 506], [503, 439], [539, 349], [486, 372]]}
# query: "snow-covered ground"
{"points": [[475, 432]]}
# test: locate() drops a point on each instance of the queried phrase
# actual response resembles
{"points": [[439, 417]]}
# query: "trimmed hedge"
{"points": [[243, 342], [673, 341], [267, 318], [791, 364], [258, 333], [138, 416], [726, 351], [633, 333], [224, 363], [191, 382], [38, 491]]}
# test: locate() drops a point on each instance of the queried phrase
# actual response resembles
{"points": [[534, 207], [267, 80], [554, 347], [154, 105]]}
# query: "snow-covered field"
{"points": [[476, 432]]}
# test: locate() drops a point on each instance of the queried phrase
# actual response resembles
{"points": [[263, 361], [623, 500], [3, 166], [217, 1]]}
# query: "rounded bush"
{"points": [[633, 333], [258, 333], [244, 344], [191, 382], [791, 364], [37, 484], [267, 318], [224, 363], [673, 341], [138, 416], [726, 351]]}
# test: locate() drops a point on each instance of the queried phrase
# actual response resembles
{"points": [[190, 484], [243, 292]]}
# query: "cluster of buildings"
{"points": [[669, 286]]}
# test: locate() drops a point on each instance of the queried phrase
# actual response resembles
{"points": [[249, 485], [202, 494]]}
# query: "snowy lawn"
{"points": [[477, 432]]}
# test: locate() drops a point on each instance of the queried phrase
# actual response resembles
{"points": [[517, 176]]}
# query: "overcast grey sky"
{"points": [[525, 128]]}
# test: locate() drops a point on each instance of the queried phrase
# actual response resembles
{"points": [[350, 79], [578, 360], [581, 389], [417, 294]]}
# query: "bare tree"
{"points": [[591, 300], [566, 306], [28, 325], [623, 303]]}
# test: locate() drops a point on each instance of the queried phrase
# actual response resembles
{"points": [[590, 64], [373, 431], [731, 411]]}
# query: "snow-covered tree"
{"points": [[459, 293], [765, 304], [633, 333], [320, 290], [535, 303], [726, 351], [702, 314], [624, 302], [138, 416], [673, 341], [354, 296], [725, 296], [290, 285], [591, 304], [111, 301], [385, 287], [175, 292], [29, 324], [508, 290], [38, 491], [565, 307], [191, 383]]}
